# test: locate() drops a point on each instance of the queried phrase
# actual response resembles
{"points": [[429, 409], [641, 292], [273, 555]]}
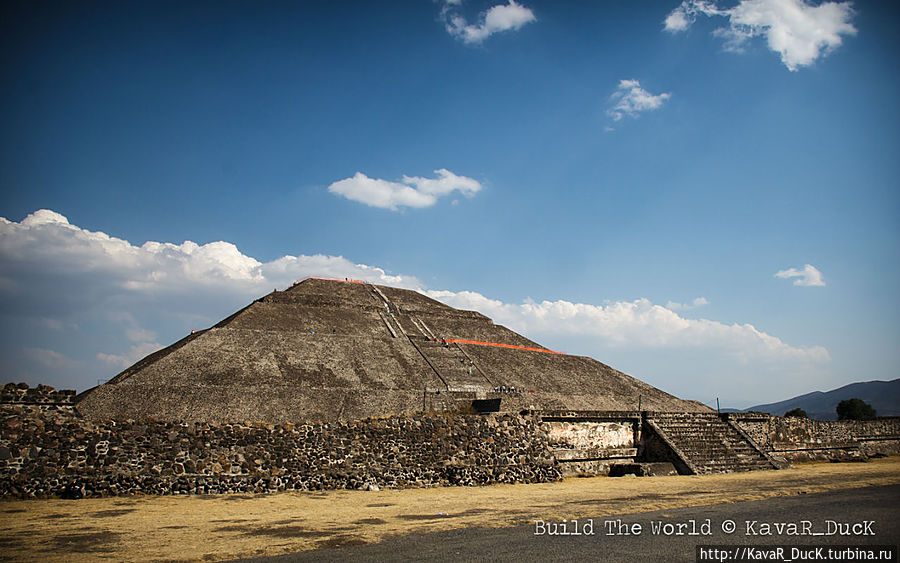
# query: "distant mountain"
{"points": [[884, 396]]}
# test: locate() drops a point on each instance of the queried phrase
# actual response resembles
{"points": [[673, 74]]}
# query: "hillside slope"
{"points": [[884, 396]]}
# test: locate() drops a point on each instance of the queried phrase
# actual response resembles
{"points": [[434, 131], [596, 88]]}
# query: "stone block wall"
{"points": [[48, 449], [22, 393], [801, 439]]}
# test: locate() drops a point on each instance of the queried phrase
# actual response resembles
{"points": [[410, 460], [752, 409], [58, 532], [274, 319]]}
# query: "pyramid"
{"points": [[328, 349]]}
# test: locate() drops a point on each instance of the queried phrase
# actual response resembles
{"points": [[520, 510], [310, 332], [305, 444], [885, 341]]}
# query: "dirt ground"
{"points": [[192, 528]]}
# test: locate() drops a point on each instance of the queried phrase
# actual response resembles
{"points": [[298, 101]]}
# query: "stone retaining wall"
{"points": [[801, 439], [48, 449], [44, 394]]}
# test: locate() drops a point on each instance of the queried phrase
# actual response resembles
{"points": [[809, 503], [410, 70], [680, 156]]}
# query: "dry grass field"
{"points": [[193, 528]]}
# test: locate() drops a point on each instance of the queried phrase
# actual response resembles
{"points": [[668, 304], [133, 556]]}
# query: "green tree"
{"points": [[798, 413], [855, 409]]}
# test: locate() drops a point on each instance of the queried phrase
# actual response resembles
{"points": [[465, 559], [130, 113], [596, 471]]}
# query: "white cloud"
{"points": [[809, 276], [638, 324], [502, 17], [115, 302], [135, 353], [52, 324], [118, 362], [682, 17], [631, 100], [45, 246], [144, 341], [49, 358], [413, 191], [138, 334], [698, 302], [677, 20], [800, 32]]}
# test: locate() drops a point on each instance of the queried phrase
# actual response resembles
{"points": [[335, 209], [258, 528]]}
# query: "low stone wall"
{"points": [[21, 393], [802, 439], [48, 449]]}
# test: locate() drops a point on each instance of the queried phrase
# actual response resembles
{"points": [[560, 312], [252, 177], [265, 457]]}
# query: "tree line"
{"points": [[848, 409]]}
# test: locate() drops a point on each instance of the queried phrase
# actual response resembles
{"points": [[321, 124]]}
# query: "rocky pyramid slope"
{"points": [[334, 349]]}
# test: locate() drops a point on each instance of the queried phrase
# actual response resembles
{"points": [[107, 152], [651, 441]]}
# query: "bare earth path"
{"points": [[227, 527]]}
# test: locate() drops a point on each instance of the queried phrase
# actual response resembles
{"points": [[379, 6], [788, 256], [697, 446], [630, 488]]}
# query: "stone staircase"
{"points": [[457, 370], [450, 362], [708, 444]]}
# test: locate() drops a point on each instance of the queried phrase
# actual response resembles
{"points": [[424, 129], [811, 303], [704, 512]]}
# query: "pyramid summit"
{"points": [[327, 349]]}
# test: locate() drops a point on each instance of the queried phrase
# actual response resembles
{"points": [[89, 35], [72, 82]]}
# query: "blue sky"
{"points": [[615, 181]]}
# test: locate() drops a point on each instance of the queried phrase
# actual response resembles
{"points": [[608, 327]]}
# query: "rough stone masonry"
{"points": [[342, 384], [48, 449]]}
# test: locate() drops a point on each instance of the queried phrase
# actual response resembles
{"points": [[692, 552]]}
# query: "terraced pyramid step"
{"points": [[709, 444], [327, 349]]}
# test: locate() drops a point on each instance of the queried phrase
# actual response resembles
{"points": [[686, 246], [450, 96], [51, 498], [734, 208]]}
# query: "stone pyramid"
{"points": [[329, 349]]}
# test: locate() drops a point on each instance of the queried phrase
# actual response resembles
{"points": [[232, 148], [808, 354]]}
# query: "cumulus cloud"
{"points": [[798, 31], [502, 17], [44, 244], [684, 16], [698, 302], [52, 324], [113, 302], [412, 191], [134, 353], [678, 19], [138, 334], [144, 341], [631, 100], [49, 358], [638, 323], [809, 276]]}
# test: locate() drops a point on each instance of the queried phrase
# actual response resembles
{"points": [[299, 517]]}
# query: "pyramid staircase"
{"points": [[707, 443], [453, 366]]}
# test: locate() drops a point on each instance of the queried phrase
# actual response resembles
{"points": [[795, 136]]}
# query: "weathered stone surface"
{"points": [[90, 458], [329, 350], [12, 393], [803, 439], [590, 435]]}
